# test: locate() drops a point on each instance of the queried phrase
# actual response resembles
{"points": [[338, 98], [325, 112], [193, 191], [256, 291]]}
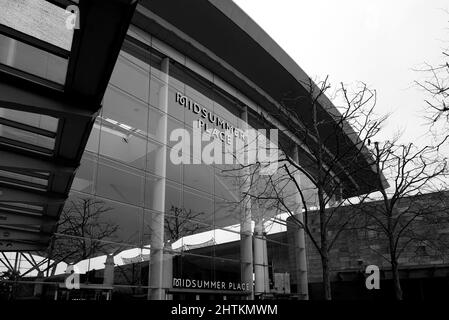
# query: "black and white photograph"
{"points": [[227, 157]]}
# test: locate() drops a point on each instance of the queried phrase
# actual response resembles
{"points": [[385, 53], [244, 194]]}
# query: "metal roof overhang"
{"points": [[221, 37], [29, 212]]}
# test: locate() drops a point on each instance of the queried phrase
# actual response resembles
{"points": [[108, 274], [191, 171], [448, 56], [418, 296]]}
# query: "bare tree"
{"points": [[332, 147], [178, 222], [436, 84], [405, 215], [81, 229]]}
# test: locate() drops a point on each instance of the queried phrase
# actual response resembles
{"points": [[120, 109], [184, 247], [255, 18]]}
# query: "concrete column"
{"points": [[246, 243], [261, 275], [299, 241], [156, 268], [265, 262], [108, 276], [168, 270]]}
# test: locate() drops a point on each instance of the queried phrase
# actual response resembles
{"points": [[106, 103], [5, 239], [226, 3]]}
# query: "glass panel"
{"points": [[94, 138], [193, 231], [98, 263], [198, 206], [227, 243], [128, 148], [33, 119], [84, 178], [175, 109], [101, 219], [124, 222], [279, 271], [228, 182], [173, 196], [228, 272], [191, 267], [119, 183], [174, 81], [199, 176], [156, 125], [156, 86], [173, 124], [131, 78], [38, 18], [174, 171], [153, 192], [27, 137], [124, 129], [227, 212], [130, 112], [226, 107], [32, 60], [154, 162], [203, 101]]}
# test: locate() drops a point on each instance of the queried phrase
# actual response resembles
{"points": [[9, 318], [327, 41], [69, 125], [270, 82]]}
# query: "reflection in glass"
{"points": [[199, 176], [94, 138], [172, 125], [172, 195], [131, 77], [119, 183], [122, 143], [193, 267], [198, 203], [128, 219], [84, 178], [156, 125], [227, 212], [130, 112], [82, 220], [227, 182]]}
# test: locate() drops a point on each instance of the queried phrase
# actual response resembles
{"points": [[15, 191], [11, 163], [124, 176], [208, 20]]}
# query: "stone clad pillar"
{"points": [[298, 239], [156, 289], [246, 241]]}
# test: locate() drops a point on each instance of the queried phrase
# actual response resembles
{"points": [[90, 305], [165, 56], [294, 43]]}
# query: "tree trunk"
{"points": [[324, 248], [396, 280], [393, 257], [326, 277]]}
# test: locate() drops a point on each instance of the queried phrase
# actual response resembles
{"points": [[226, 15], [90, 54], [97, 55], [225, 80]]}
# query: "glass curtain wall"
{"points": [[127, 186]]}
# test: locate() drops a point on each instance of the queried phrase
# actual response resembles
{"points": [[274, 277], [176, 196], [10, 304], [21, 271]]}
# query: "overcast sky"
{"points": [[378, 42]]}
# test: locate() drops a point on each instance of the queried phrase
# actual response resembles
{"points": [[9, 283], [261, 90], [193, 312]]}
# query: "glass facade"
{"points": [[131, 205]]}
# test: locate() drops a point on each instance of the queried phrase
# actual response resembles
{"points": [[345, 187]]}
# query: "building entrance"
{"points": [[187, 295]]}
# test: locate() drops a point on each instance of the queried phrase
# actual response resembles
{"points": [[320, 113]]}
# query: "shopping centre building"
{"points": [[89, 126]]}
